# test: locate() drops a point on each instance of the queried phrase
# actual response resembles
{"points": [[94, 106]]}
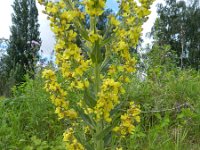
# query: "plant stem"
{"points": [[98, 142], [99, 128]]}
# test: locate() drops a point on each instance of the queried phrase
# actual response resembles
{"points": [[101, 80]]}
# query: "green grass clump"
{"points": [[170, 111], [28, 119]]}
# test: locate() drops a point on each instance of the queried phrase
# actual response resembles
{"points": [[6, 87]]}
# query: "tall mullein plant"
{"points": [[98, 71]]}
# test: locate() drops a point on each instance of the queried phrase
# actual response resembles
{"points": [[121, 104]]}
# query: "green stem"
{"points": [[99, 128], [98, 142]]}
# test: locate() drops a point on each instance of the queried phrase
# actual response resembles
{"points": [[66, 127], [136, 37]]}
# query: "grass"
{"points": [[28, 120], [29, 116]]}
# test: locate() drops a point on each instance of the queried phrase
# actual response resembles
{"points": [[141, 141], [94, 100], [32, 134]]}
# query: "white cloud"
{"points": [[148, 25], [5, 17], [47, 36]]}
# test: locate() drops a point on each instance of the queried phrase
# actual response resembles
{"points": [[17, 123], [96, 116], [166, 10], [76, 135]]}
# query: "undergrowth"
{"points": [[170, 115]]}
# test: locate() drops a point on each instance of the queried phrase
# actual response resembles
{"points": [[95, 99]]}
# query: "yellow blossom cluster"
{"points": [[69, 56], [127, 31], [71, 142], [94, 7], [108, 98], [130, 28], [58, 96], [126, 68], [128, 119]]}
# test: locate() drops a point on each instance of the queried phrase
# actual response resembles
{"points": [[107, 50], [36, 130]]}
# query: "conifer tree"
{"points": [[22, 54]]}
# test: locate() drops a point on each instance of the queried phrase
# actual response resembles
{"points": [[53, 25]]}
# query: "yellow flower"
{"points": [[114, 21], [94, 37], [87, 129], [72, 114], [108, 99], [116, 129], [40, 1], [137, 118], [80, 85]]}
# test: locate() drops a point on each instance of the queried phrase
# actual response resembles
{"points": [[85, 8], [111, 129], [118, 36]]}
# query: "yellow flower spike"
{"points": [[107, 100], [107, 79]]}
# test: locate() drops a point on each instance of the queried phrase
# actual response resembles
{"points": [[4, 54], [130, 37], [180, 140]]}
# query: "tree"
{"points": [[24, 45], [178, 25]]}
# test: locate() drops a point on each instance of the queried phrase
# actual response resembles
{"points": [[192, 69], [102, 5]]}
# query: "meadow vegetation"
{"points": [[169, 119], [94, 98]]}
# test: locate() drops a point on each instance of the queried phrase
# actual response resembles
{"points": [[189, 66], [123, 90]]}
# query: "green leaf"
{"points": [[106, 41], [108, 129], [89, 121], [165, 122], [83, 142], [104, 133], [105, 64], [108, 139], [158, 116], [87, 49], [36, 141], [89, 98], [117, 109], [96, 55]]}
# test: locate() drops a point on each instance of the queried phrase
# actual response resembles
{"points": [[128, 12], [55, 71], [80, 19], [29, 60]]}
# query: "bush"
{"points": [[170, 110], [29, 116]]}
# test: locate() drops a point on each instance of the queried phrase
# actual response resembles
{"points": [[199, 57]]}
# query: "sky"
{"points": [[45, 32]]}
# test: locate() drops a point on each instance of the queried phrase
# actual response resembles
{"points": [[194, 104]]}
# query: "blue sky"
{"points": [[112, 4]]}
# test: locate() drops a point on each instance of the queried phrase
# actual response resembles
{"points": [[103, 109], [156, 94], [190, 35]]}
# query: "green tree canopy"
{"points": [[24, 45], [178, 25]]}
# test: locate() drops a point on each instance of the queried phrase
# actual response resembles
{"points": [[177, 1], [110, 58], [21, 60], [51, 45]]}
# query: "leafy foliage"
{"points": [[28, 119], [24, 43], [170, 100], [178, 26]]}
